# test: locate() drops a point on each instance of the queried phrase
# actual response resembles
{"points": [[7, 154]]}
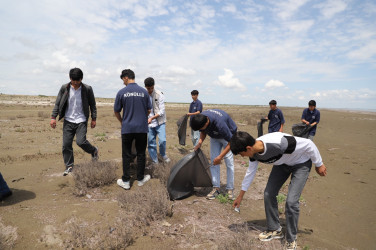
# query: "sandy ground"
{"points": [[337, 211]]}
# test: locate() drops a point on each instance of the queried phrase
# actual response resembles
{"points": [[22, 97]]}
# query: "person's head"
{"points": [[312, 105], [194, 94], [199, 122], [127, 76], [242, 143], [76, 75], [149, 84], [273, 104]]}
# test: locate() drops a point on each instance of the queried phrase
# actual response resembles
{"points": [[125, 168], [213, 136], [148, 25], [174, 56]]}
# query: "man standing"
{"points": [[311, 117], [194, 109], [4, 189], [275, 117], [135, 103], [157, 123], [290, 156], [75, 101], [220, 127]]}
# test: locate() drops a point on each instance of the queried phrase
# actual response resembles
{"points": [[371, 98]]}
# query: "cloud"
{"points": [[365, 52], [331, 8], [229, 8], [272, 84], [229, 81], [286, 9]]}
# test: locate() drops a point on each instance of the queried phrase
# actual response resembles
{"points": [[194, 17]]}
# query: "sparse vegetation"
{"points": [[238, 241], [93, 174], [8, 236], [100, 136], [224, 199], [20, 130], [42, 114]]}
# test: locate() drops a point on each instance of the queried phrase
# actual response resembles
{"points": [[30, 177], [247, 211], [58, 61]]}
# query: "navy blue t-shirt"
{"points": [[194, 107], [221, 126], [275, 120], [311, 117], [135, 103]]}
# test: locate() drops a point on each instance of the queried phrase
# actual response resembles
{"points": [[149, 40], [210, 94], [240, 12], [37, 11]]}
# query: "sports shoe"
{"points": [[270, 235], [166, 159], [291, 245], [212, 194], [67, 171], [146, 179], [124, 184], [94, 155], [230, 194]]}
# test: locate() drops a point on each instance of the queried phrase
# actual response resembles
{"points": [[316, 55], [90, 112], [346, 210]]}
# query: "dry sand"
{"points": [[337, 211]]}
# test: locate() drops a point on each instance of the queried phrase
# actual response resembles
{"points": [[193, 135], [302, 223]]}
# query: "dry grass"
{"points": [[8, 236], [92, 175], [42, 114], [119, 235], [238, 241], [162, 171], [146, 204]]}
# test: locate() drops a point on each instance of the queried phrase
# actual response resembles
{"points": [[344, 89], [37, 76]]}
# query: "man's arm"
{"points": [[247, 181], [195, 113], [93, 108], [118, 116], [201, 140], [219, 158], [55, 110]]}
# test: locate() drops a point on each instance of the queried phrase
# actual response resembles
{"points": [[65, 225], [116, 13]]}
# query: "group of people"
{"points": [[141, 113]]}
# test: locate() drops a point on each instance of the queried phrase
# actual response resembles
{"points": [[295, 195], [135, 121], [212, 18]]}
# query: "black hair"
{"points": [[194, 92], [76, 74], [273, 102], [128, 73], [312, 103], [239, 142], [149, 82], [198, 121]]}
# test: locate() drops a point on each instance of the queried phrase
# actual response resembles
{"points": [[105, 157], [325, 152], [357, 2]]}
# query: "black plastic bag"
{"points": [[182, 129]]}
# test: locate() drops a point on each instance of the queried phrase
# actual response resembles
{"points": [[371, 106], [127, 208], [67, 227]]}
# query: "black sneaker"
{"points": [[67, 171], [94, 155]]}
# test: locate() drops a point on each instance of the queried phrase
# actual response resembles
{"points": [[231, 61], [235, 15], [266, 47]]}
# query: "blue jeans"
{"points": [[159, 130], [216, 146], [195, 135], [299, 175], [4, 189]]}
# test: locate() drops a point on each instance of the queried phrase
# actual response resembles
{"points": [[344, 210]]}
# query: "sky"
{"points": [[233, 52]]}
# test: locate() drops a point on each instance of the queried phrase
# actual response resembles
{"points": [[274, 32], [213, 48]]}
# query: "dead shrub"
{"points": [[119, 235], [146, 204], [8, 236], [162, 171], [93, 174], [238, 241], [42, 114]]}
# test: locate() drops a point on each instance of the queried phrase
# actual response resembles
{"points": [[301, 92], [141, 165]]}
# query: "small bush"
{"points": [[21, 116], [146, 204], [20, 130], [42, 114], [8, 236], [93, 174], [281, 198], [224, 199], [162, 172], [238, 241]]}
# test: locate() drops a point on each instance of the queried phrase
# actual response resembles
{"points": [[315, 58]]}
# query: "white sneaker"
{"points": [[166, 159], [146, 179], [124, 184]]}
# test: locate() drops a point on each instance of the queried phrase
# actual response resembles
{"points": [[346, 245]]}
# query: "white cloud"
{"points": [[272, 84], [365, 52], [229, 81], [229, 8], [286, 9], [331, 8]]}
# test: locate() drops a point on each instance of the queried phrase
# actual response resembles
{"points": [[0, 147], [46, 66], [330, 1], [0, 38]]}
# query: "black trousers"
{"points": [[141, 143]]}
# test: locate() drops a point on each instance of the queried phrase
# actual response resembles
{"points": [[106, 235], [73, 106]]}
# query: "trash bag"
{"points": [[301, 130], [193, 170], [260, 130], [182, 129]]}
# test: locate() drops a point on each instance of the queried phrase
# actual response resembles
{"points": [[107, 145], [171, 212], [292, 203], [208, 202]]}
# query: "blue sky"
{"points": [[233, 52]]}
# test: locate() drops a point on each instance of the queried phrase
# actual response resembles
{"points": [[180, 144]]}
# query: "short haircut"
{"points": [[76, 74], [239, 142], [128, 73], [198, 121], [273, 102], [312, 103], [194, 92], [149, 82]]}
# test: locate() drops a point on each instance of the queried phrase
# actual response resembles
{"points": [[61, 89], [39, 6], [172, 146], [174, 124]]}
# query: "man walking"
{"points": [[135, 103], [275, 117], [194, 109], [311, 117], [75, 102], [290, 156], [157, 123], [220, 127]]}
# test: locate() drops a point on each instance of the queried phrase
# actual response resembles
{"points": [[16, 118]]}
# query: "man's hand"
{"points": [[217, 160], [53, 123], [93, 124], [150, 120], [321, 170], [237, 202], [197, 146]]}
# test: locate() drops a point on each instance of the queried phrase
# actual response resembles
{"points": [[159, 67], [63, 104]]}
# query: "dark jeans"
{"points": [[69, 131], [299, 175], [141, 142], [4, 189]]}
